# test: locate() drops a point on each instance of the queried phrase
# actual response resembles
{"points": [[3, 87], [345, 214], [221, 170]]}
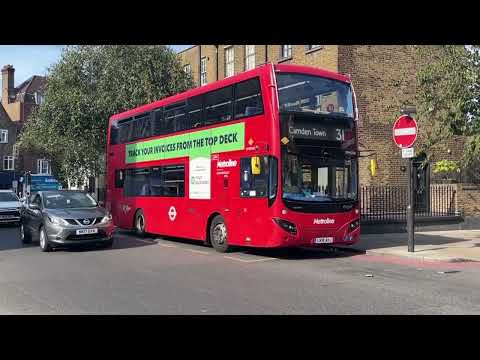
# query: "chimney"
{"points": [[7, 83]]}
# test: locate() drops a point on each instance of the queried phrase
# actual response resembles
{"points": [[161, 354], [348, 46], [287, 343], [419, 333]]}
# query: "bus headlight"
{"points": [[286, 225], [353, 225]]}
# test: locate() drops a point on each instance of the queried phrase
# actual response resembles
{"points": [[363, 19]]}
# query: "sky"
{"points": [[31, 60]]}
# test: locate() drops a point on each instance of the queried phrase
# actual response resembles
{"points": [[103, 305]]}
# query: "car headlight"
{"points": [[107, 218], [56, 220]]}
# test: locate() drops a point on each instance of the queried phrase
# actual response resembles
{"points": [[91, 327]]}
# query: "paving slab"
{"points": [[450, 246]]}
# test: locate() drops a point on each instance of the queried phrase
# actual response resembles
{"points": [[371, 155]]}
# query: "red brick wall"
{"points": [[384, 78]]}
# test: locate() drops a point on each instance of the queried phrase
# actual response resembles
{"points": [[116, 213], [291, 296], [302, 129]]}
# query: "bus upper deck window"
{"points": [[248, 99]]}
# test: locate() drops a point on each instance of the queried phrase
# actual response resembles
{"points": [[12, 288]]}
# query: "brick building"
{"points": [[384, 78], [16, 105]]}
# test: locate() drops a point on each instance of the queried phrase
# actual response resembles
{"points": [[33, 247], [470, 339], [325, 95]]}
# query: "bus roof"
{"points": [[228, 81]]}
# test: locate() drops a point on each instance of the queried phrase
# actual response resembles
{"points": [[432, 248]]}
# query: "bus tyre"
{"points": [[218, 234], [140, 224], [44, 243]]}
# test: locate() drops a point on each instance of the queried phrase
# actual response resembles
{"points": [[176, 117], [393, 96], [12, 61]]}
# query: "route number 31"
{"points": [[340, 135]]}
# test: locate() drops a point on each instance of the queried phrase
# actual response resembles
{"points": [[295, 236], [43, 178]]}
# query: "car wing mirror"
{"points": [[34, 207]]}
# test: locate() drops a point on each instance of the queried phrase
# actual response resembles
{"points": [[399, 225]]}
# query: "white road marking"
{"points": [[198, 251], [146, 241], [248, 261], [203, 252], [169, 246]]}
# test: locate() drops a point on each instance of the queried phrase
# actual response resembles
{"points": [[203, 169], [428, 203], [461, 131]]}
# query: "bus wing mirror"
{"points": [[256, 170]]}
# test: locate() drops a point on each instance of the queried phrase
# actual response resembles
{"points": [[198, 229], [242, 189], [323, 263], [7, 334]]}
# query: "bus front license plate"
{"points": [[87, 231], [323, 240]]}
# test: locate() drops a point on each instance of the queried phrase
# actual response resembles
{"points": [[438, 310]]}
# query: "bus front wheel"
{"points": [[140, 224], [218, 234]]}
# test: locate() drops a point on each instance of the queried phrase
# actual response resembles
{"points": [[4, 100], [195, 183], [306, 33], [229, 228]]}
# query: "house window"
{"points": [[8, 163], [249, 57], [188, 69], [311, 47], [38, 98], [286, 51], [15, 151], [43, 167], [3, 136], [229, 61], [203, 71]]}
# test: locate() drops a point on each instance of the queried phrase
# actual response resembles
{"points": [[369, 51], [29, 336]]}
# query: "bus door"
{"points": [[116, 200], [253, 200], [222, 183]]}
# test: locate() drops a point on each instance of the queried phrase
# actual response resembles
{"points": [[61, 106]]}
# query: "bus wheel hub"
{"points": [[220, 233]]}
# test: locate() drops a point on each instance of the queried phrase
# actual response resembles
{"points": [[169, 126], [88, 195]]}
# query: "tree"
{"points": [[448, 99], [86, 87]]}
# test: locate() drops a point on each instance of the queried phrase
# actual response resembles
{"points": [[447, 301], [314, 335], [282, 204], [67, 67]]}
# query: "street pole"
{"points": [[407, 142], [411, 207]]}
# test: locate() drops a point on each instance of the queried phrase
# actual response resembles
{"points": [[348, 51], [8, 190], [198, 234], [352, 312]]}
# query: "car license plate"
{"points": [[87, 231], [6, 216], [323, 240]]}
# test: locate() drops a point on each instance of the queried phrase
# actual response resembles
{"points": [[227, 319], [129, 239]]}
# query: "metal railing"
{"points": [[388, 204]]}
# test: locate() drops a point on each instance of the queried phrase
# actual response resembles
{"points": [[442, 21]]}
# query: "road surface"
{"points": [[172, 276]]}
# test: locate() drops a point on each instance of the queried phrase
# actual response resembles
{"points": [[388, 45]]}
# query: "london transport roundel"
{"points": [[172, 213], [405, 131]]}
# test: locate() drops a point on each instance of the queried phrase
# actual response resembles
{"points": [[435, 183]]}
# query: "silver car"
{"points": [[64, 218], [10, 207]]}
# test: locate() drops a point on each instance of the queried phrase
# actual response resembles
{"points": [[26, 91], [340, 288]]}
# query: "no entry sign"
{"points": [[405, 131]]}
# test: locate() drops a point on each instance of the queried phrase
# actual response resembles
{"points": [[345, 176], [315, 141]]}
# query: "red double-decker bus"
{"points": [[265, 158]]}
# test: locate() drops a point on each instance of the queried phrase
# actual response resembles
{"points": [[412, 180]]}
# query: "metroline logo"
{"points": [[226, 163], [323, 221]]}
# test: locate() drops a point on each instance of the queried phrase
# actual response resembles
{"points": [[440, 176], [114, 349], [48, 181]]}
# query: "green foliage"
{"points": [[471, 158], [448, 97], [86, 87], [445, 166]]}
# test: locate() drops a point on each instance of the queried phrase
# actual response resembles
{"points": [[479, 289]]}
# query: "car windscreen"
{"points": [[6, 196], [68, 200]]}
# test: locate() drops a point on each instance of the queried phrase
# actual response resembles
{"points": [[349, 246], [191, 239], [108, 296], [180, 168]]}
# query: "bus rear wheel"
{"points": [[219, 234], [140, 224]]}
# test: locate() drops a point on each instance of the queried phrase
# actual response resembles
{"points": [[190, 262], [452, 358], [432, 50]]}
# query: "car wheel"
{"points": [[140, 224], [44, 243], [107, 244], [24, 236], [219, 234]]}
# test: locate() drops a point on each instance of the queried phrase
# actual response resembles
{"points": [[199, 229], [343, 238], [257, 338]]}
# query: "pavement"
{"points": [[447, 246], [173, 276]]}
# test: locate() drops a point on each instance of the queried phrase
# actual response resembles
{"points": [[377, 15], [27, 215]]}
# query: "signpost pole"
{"points": [[404, 135], [411, 208]]}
